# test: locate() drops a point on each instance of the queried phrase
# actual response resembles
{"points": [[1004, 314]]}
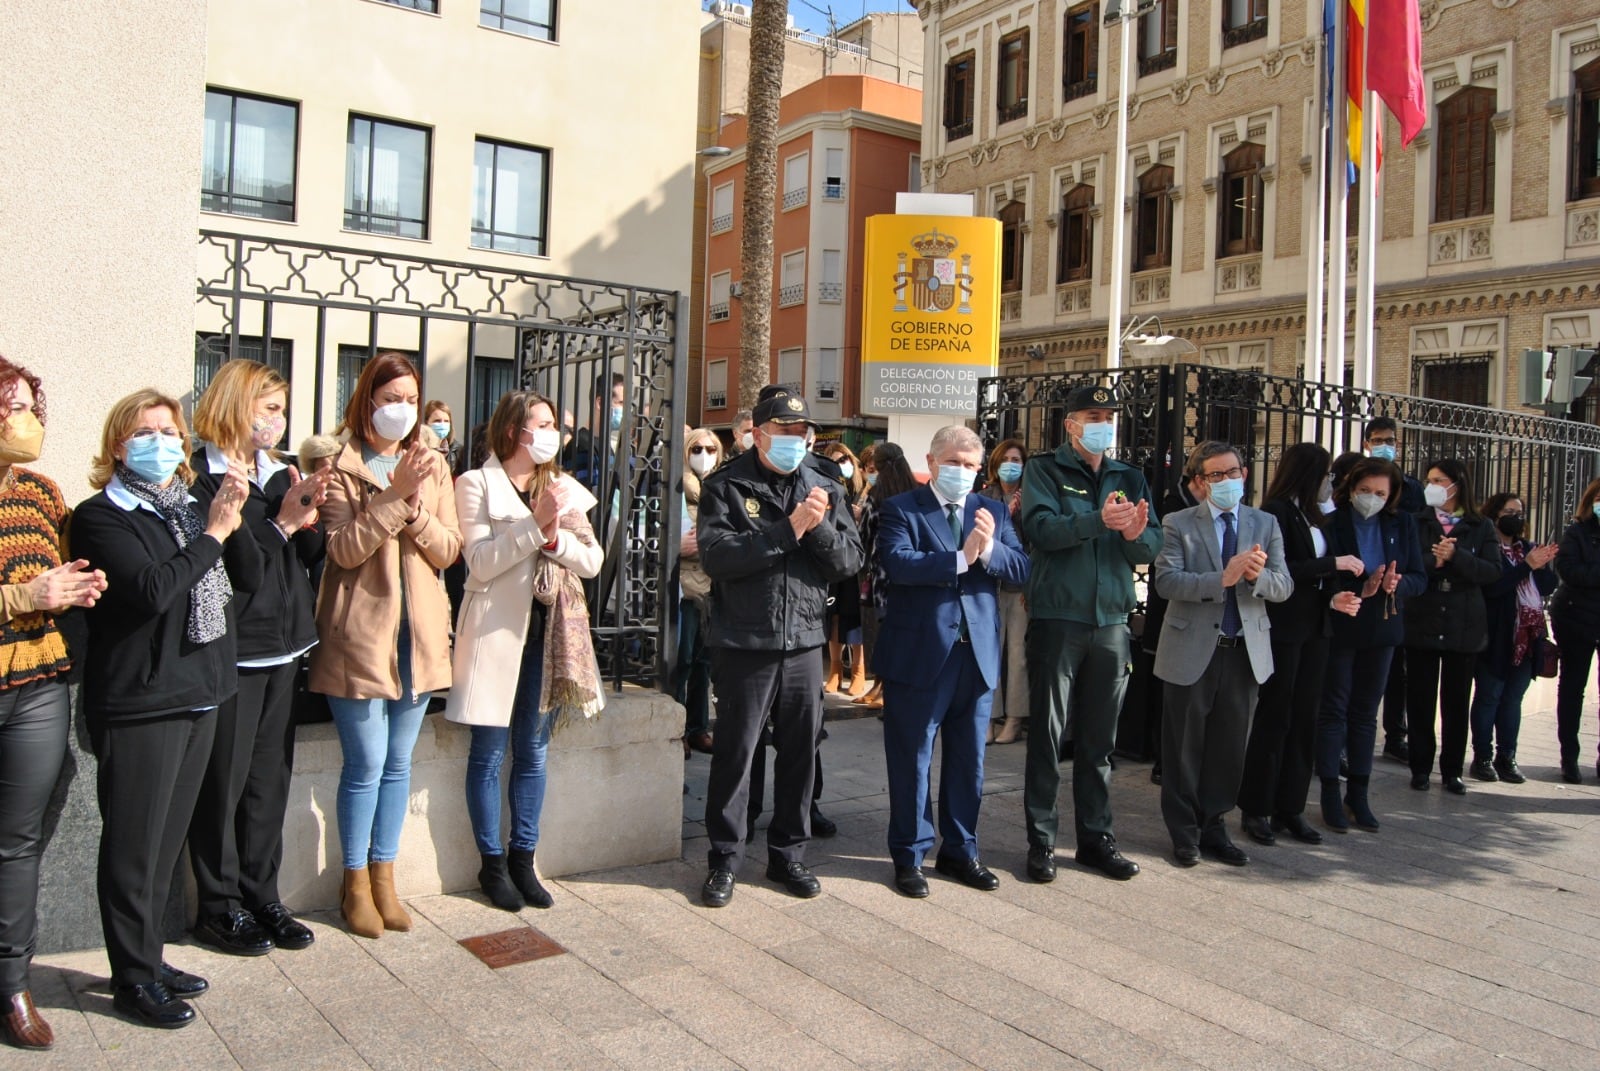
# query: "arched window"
{"points": [[1464, 182], [1011, 217], [1585, 139], [1152, 226], [1075, 259], [1241, 201]]}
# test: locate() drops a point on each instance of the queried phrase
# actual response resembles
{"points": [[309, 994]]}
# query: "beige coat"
{"points": [[501, 544], [374, 555]]}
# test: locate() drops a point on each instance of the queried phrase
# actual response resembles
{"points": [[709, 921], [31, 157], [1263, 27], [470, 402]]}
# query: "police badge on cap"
{"points": [[1092, 397], [781, 405]]}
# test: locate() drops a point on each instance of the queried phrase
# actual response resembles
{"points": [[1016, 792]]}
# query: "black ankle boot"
{"points": [[1355, 799], [496, 883], [1332, 809], [527, 882]]}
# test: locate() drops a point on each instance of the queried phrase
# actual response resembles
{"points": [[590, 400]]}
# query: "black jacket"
{"points": [[769, 591], [1500, 601], [1576, 605], [1304, 615], [278, 618], [1450, 615], [1372, 627], [139, 662]]}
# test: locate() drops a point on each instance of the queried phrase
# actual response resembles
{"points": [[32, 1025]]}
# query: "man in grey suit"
{"points": [[1221, 562]]}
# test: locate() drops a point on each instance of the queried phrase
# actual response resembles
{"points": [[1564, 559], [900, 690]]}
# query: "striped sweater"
{"points": [[32, 515]]}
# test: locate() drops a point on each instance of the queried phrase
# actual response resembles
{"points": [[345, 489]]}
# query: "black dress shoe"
{"points": [[152, 1004], [1155, 773], [285, 930], [1570, 774], [1298, 828], [1483, 770], [910, 881], [1100, 852], [1041, 864], [1186, 856], [968, 872], [796, 877], [1420, 782], [1509, 771], [1257, 829], [235, 933], [181, 983], [1226, 852], [1455, 786], [718, 888], [822, 825], [1398, 750]]}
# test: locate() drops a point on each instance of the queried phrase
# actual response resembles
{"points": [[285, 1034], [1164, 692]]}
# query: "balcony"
{"points": [[830, 293], [1005, 113], [719, 311], [962, 129], [827, 390], [1084, 87], [1073, 297], [795, 198], [716, 399], [1461, 241], [791, 295], [1236, 275], [1151, 287], [1239, 35], [833, 189], [1161, 61], [722, 223]]}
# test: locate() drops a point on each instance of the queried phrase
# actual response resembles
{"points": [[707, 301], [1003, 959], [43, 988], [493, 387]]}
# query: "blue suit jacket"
{"points": [[922, 618]]}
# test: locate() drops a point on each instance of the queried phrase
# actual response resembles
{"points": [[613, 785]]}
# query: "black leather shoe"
{"points": [[1455, 786], [822, 825], [152, 1004], [1509, 771], [285, 930], [1041, 864], [181, 983], [1398, 750], [1155, 773], [1226, 852], [796, 877], [235, 933], [1257, 829], [1483, 770], [1420, 782], [1101, 853], [968, 872], [1298, 828], [1344, 768], [910, 881], [1570, 774], [1186, 856], [718, 889]]}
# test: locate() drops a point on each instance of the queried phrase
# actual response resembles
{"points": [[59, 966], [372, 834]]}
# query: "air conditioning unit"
{"points": [[735, 289]]}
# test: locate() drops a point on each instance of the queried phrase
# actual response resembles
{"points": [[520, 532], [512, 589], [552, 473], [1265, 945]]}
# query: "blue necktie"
{"points": [[1230, 601], [955, 537]]}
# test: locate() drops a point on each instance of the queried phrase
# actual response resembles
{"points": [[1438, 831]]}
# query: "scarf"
{"points": [[1447, 521], [209, 597], [570, 688], [1530, 624]]}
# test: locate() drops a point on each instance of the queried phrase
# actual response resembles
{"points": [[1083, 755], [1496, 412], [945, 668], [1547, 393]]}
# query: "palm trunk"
{"points": [[767, 30]]}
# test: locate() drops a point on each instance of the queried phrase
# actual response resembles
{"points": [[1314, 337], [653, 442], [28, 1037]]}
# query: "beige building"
{"points": [[1491, 220]]}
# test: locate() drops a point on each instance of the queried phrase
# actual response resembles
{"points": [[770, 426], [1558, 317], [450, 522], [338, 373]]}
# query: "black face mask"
{"points": [[1511, 524]]}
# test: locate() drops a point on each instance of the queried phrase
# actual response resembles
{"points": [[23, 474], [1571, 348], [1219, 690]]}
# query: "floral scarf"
{"points": [[208, 599], [1530, 609], [571, 688]]}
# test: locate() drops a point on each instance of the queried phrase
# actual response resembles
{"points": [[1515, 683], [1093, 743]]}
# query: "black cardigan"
{"points": [[1575, 609], [139, 662], [1450, 615], [1370, 628], [1304, 614], [1500, 600]]}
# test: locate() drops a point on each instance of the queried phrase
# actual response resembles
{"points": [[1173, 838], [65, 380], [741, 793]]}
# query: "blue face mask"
{"points": [[1098, 438], [785, 452], [1225, 494], [953, 481], [616, 417], [1010, 471], [154, 457], [872, 479], [441, 429], [1383, 453]]}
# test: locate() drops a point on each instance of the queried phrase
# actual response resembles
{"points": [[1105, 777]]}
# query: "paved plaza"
{"points": [[1462, 936]]}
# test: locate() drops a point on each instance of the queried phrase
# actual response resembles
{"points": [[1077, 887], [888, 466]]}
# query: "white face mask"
{"points": [[1367, 505], [1436, 496], [546, 442], [747, 441], [395, 420], [702, 463], [846, 469]]}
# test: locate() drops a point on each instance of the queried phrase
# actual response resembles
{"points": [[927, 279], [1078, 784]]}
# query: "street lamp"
{"points": [[1123, 12], [1159, 346]]}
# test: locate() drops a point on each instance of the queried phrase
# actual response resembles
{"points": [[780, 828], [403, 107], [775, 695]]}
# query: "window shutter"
{"points": [[1092, 50], [1022, 69], [1169, 37]]}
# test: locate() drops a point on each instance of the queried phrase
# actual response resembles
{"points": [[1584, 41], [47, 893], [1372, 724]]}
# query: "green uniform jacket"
{"points": [[1081, 571]]}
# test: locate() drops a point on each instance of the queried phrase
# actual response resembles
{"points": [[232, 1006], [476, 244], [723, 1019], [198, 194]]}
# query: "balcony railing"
{"points": [[833, 190], [1151, 287], [827, 390], [830, 293], [1073, 297], [719, 311], [1082, 88], [795, 198], [1161, 61], [1239, 274], [1010, 307], [1005, 113], [716, 399], [792, 295], [722, 223], [963, 129], [1250, 31]]}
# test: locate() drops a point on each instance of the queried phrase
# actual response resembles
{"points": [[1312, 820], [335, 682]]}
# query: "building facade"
{"points": [[846, 145], [1490, 220]]}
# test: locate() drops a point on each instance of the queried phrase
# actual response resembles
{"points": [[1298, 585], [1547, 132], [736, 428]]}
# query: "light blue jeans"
{"points": [[529, 737], [377, 736]]}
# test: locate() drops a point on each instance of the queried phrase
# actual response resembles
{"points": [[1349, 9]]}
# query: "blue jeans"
{"points": [[529, 736], [377, 736], [1497, 710]]}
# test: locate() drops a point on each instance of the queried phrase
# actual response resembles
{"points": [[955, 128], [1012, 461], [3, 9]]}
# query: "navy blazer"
{"points": [[1371, 628], [922, 615]]}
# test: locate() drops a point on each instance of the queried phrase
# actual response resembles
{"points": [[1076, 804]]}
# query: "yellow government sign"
{"points": [[930, 323]]}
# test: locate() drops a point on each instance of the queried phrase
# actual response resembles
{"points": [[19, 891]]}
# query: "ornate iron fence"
{"points": [[574, 340]]}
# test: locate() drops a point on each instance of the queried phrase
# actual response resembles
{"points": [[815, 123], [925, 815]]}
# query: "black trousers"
{"points": [[1578, 649], [750, 687], [148, 781], [1204, 730], [1394, 700], [33, 741], [1279, 759], [1439, 680], [236, 836]]}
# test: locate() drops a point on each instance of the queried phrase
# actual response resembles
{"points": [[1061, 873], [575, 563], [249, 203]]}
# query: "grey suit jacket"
{"points": [[1188, 574]]}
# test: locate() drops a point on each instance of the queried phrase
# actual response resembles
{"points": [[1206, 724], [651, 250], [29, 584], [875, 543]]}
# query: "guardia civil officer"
{"points": [[774, 535]]}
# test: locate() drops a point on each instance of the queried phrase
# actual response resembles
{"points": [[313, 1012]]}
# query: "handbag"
{"points": [[1549, 662]]}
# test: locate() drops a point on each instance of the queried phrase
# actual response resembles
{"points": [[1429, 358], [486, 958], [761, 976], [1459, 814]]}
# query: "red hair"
{"points": [[10, 375], [385, 367]]}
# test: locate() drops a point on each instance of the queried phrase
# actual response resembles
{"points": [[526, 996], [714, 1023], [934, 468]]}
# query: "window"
{"points": [[351, 360], [832, 174], [1080, 59], [386, 178], [958, 95], [721, 295], [492, 378], [831, 289], [792, 279], [914, 179], [722, 208], [827, 375], [1462, 378], [1152, 226], [1075, 260], [796, 180], [510, 207], [530, 18], [249, 158], [1464, 185], [430, 6], [1243, 20], [792, 369], [1011, 217], [1011, 98], [1241, 194], [1585, 140], [1158, 38], [716, 384], [210, 350]]}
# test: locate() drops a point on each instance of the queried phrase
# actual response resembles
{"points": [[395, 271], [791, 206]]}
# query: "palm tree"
{"points": [[767, 25]]}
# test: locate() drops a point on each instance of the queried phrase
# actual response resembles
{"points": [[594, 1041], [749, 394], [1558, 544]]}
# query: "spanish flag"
{"points": [[1355, 75], [1394, 29]]}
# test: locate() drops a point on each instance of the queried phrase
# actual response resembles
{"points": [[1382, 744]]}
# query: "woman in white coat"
{"points": [[523, 658]]}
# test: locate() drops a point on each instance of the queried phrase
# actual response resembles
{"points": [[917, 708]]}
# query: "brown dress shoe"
{"points": [[22, 1024]]}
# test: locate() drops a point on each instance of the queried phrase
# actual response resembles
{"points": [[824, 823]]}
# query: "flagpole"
{"points": [[1338, 172], [1369, 232], [1316, 288]]}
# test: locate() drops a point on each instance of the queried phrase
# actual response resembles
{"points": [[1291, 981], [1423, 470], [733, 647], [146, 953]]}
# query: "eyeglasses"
{"points": [[1218, 477], [145, 433], [702, 449]]}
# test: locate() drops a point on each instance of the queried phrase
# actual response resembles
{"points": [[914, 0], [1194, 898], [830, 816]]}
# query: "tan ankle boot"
{"points": [[832, 683], [355, 904], [858, 673], [1008, 732], [385, 899]]}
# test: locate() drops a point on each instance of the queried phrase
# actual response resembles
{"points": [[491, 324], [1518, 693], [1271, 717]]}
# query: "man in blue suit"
{"points": [[945, 552]]}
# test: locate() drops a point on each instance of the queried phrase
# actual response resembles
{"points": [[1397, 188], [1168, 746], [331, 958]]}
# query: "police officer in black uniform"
{"points": [[774, 534]]}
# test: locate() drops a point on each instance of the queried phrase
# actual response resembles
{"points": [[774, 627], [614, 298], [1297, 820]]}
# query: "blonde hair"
{"points": [[120, 425], [691, 480], [857, 481], [225, 412]]}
